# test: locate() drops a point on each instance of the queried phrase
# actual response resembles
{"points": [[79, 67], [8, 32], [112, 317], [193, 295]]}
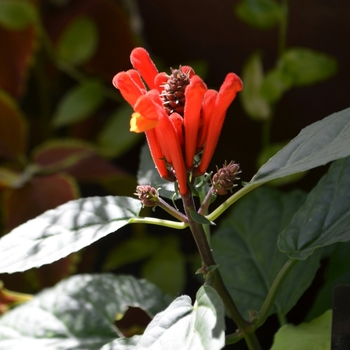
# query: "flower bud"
{"points": [[223, 180], [148, 195]]}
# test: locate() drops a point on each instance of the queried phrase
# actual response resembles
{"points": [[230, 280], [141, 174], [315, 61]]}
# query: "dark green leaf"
{"points": [[79, 103], [167, 267], [200, 218], [324, 218], [255, 105], [337, 274], [16, 15], [263, 14], [245, 247], [306, 67], [186, 327], [78, 313], [64, 230], [78, 42], [317, 144], [115, 138], [315, 335], [148, 175]]}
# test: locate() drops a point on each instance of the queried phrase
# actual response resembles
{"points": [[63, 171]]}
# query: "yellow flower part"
{"points": [[138, 123]]}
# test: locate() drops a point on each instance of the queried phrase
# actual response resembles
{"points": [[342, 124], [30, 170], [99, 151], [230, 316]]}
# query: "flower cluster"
{"points": [[180, 116]]}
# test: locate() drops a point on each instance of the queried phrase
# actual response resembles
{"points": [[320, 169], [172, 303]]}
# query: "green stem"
{"points": [[159, 222], [171, 210], [274, 290], [224, 206], [214, 277]]}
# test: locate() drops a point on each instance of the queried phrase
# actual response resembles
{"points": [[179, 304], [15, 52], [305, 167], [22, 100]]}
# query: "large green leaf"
{"points": [[78, 313], [183, 326], [79, 41], [324, 218], [245, 247], [317, 144], [64, 230], [315, 335], [79, 103]]}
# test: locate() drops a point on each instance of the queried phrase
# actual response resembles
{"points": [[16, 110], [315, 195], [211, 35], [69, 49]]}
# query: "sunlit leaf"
{"points": [[317, 144], [16, 15], [254, 103], [263, 14], [324, 218], [79, 41], [315, 335], [306, 67], [79, 103], [115, 138], [245, 247], [78, 313], [64, 230], [183, 326]]}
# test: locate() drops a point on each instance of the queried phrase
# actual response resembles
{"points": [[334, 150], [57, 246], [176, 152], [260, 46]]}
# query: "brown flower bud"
{"points": [[223, 180], [148, 195]]}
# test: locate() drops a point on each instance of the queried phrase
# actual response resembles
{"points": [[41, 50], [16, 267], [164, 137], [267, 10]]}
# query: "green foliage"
{"points": [[315, 335], [317, 144], [246, 250], [324, 217], [65, 316], [16, 14], [262, 14], [183, 326], [79, 103], [78, 42], [67, 229]]}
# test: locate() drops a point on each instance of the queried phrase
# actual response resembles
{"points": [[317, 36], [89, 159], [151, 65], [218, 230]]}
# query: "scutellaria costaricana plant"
{"points": [[248, 278]]}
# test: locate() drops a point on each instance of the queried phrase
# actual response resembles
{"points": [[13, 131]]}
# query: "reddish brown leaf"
{"points": [[77, 158], [18, 48], [13, 128], [36, 196]]}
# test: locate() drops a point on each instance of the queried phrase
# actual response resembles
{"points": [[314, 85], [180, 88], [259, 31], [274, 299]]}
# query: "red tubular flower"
{"points": [[179, 116]]}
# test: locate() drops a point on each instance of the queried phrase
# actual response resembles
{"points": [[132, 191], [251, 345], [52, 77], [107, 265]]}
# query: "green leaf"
{"points": [[337, 273], [255, 105], [64, 230], [324, 218], [307, 67], [167, 267], [16, 15], [275, 84], [148, 175], [78, 42], [132, 250], [268, 152], [245, 247], [79, 103], [200, 218], [183, 326], [78, 313], [115, 138], [317, 144], [262, 14], [122, 343], [315, 335]]}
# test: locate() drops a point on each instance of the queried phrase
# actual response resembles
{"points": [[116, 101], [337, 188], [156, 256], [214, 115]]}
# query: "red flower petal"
{"points": [[141, 61], [194, 97]]}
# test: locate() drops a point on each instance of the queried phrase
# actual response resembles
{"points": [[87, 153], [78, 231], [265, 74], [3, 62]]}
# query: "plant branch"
{"points": [[159, 222], [273, 292], [213, 276]]}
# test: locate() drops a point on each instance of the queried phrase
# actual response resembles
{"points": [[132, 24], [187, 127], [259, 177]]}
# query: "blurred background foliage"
{"points": [[64, 128]]}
